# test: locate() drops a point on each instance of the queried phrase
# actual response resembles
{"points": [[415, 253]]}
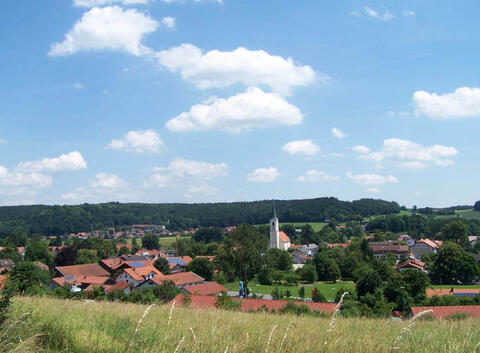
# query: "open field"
{"points": [[328, 289], [166, 242], [81, 327], [468, 214], [317, 226], [463, 286]]}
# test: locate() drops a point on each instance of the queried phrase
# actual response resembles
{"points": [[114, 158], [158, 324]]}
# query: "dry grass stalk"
{"points": [[226, 350], [13, 324], [171, 313], [334, 317], [139, 323], [270, 337], [408, 328], [285, 335], [179, 344], [194, 339]]}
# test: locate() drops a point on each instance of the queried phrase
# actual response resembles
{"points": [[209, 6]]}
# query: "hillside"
{"points": [[74, 326], [54, 220]]}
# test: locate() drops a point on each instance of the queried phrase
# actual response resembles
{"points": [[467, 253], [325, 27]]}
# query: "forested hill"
{"points": [[53, 220]]}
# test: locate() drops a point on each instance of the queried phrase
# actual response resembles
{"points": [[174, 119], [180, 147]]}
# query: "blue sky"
{"points": [[209, 100]]}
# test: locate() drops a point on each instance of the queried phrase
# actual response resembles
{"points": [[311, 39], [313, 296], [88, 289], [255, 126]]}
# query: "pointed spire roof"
{"points": [[274, 213]]}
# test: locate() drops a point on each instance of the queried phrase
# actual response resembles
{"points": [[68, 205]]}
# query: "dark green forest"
{"points": [[58, 220]]}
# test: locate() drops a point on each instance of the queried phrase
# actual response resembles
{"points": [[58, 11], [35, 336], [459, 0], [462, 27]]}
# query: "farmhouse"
{"points": [[381, 249], [424, 247]]}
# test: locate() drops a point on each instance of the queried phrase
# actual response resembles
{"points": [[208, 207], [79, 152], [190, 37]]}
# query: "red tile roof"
{"points": [[429, 242], [139, 273], [284, 238], [3, 280], [82, 270], [444, 311], [207, 288], [183, 278], [208, 302], [440, 292], [120, 285], [338, 245]]}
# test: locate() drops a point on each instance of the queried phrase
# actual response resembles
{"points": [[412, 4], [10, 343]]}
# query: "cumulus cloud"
{"points": [[202, 189], [182, 1], [408, 13], [107, 181], [373, 190], [183, 167], [463, 103], [306, 147], [263, 175], [361, 149], [169, 22], [224, 68], [316, 176], [372, 179], [66, 162], [17, 179], [385, 16], [242, 112], [138, 141], [339, 134], [411, 155], [107, 28], [93, 3]]}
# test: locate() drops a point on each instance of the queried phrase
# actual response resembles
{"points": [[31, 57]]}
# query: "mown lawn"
{"points": [[463, 286], [328, 289], [55, 325]]}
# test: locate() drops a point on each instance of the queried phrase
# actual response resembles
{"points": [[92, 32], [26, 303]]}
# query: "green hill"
{"points": [[83, 327]]}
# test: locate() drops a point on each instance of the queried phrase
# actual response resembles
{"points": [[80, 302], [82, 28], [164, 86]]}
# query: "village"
{"points": [[133, 269]]}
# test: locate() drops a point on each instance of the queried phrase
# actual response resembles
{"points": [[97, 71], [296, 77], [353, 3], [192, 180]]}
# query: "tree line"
{"points": [[55, 220]]}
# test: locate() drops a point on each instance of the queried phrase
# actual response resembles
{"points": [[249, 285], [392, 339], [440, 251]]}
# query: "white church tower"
{"points": [[274, 231]]}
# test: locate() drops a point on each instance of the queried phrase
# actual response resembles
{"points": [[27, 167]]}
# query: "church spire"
{"points": [[274, 213]]}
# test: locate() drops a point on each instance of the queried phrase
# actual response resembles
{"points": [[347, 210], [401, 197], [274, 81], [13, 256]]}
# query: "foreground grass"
{"points": [[328, 289], [75, 326]]}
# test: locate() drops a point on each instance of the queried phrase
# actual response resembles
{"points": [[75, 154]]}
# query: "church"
{"points": [[278, 238]]}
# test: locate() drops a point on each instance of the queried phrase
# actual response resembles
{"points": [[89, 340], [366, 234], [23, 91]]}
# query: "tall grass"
{"points": [[81, 327]]}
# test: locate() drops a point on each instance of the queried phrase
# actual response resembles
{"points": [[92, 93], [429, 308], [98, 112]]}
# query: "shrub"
{"points": [[265, 276], [458, 316], [227, 303], [318, 296]]}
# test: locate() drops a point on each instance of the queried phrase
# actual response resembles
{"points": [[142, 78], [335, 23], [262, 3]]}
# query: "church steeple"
{"points": [[274, 213]]}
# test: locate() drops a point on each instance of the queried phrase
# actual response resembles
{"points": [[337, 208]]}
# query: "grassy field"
{"points": [[463, 286], [166, 242], [317, 226], [468, 214], [101, 327], [328, 289]]}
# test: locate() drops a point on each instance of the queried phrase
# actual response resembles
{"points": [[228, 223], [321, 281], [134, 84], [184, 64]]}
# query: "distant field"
{"points": [[468, 214], [463, 286], [328, 289], [104, 327], [165, 242], [317, 226]]}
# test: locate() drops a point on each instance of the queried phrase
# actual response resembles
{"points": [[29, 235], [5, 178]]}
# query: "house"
{"points": [[178, 263], [206, 288], [208, 302], [82, 282], [411, 264], [473, 239], [150, 254], [21, 250], [381, 249], [138, 274], [82, 270], [441, 312], [120, 285], [180, 280], [338, 245], [299, 258], [424, 247]]}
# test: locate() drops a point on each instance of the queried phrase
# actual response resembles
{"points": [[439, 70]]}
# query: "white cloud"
{"points": [[107, 181], [202, 189], [158, 180], [386, 16], [339, 134], [243, 112], [315, 176], [183, 167], [138, 141], [169, 22], [372, 179], [373, 190], [107, 28], [93, 3], [71, 161], [408, 13], [306, 147], [411, 155], [224, 68], [361, 149], [17, 179], [463, 103], [182, 1], [79, 85], [263, 175]]}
